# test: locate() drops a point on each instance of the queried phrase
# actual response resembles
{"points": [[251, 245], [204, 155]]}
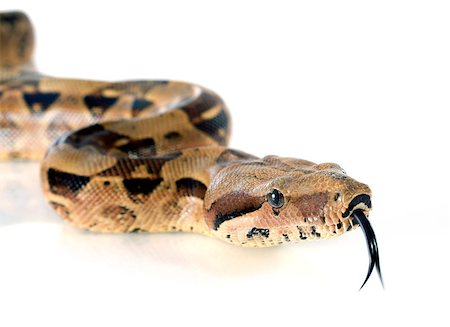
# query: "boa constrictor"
{"points": [[151, 156]]}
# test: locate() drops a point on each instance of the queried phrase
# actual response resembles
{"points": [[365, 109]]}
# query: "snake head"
{"points": [[274, 200], [264, 202]]}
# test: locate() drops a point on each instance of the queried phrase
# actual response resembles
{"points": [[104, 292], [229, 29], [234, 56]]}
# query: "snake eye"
{"points": [[275, 199]]}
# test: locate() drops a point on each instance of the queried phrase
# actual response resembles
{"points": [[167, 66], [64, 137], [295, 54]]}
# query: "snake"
{"points": [[152, 156]]}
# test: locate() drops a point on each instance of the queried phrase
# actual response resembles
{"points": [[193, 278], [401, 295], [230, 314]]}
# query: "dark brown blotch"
{"points": [[66, 184], [139, 105], [97, 137], [172, 136], [40, 101], [126, 166], [216, 127], [139, 148], [232, 205], [191, 187], [154, 165], [204, 102], [98, 104], [139, 189]]}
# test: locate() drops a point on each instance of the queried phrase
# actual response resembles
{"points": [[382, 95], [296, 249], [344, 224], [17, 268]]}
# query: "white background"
{"points": [[363, 84]]}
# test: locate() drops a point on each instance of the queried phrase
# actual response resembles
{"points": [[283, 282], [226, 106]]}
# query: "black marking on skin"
{"points": [[106, 183], [139, 148], [258, 231], [11, 18], [349, 227], [275, 211], [153, 165], [39, 102], [98, 104], [143, 186], [362, 198], [213, 126], [97, 136], [286, 237], [232, 205], [339, 225], [191, 187], [136, 230], [228, 236], [301, 235], [140, 104], [220, 218], [314, 232], [61, 182], [204, 102], [172, 136], [76, 138]]}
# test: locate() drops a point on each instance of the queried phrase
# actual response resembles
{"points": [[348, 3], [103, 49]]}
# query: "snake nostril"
{"points": [[337, 196]]}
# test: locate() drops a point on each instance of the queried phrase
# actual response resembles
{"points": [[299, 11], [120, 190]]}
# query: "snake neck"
{"points": [[167, 192]]}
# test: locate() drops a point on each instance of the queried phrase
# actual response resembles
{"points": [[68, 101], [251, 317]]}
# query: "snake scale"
{"points": [[152, 156]]}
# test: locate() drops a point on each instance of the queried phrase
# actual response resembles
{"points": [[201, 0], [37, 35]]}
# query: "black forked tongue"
{"points": [[371, 244]]}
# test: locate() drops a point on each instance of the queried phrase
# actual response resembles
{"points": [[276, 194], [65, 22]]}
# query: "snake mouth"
{"points": [[361, 201], [372, 246]]}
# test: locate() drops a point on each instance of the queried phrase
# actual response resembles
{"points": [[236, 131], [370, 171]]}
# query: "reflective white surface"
{"points": [[364, 85], [48, 265]]}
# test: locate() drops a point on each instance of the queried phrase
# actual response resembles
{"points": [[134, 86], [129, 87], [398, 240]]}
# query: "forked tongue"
{"points": [[372, 246]]}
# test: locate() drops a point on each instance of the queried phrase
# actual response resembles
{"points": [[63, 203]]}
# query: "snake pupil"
{"points": [[275, 199]]}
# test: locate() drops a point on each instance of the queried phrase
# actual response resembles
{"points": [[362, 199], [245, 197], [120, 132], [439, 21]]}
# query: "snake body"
{"points": [[152, 156]]}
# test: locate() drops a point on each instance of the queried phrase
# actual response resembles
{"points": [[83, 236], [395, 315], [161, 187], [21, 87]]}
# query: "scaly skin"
{"points": [[151, 156]]}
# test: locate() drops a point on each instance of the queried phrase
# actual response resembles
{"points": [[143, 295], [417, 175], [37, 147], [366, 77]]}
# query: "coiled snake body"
{"points": [[151, 156]]}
